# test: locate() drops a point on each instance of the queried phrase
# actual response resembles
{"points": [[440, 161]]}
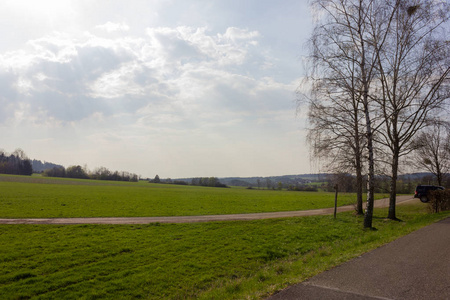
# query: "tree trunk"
{"points": [[370, 181], [438, 171], [358, 164], [359, 187], [393, 187]]}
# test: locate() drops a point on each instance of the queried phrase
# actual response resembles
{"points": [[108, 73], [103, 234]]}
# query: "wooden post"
{"points": [[335, 200]]}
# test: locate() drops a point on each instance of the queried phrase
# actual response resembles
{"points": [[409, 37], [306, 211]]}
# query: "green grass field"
{"points": [[218, 260], [215, 260], [40, 197]]}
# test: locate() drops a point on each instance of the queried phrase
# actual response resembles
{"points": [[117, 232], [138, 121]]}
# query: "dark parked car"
{"points": [[422, 191]]}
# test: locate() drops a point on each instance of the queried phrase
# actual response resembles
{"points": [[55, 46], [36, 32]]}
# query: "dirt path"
{"points": [[195, 219]]}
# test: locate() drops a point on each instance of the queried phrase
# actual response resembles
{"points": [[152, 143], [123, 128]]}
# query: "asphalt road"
{"points": [[416, 266], [195, 219]]}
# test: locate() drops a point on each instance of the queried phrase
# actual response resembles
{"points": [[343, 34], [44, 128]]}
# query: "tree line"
{"points": [[79, 172], [208, 181], [16, 163], [378, 80], [197, 181]]}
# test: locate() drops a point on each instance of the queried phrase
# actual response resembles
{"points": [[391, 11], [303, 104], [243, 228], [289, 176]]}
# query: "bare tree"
{"points": [[413, 69], [344, 62], [433, 150], [336, 134], [393, 59]]}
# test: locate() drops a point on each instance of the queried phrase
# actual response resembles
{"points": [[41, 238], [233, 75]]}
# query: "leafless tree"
{"points": [[433, 150], [413, 69], [337, 129], [344, 65], [374, 58]]}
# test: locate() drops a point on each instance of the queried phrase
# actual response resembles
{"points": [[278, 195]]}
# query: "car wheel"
{"points": [[424, 199]]}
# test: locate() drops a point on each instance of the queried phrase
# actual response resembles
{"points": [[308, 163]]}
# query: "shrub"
{"points": [[55, 172], [303, 188], [180, 182], [439, 200], [207, 181]]}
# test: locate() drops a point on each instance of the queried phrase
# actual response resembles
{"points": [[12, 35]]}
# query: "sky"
{"points": [[184, 88]]}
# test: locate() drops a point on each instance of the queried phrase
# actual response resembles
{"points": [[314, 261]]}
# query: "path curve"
{"points": [[207, 218]]}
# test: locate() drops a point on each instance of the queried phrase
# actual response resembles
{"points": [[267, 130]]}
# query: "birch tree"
{"points": [[336, 133], [387, 59], [343, 65], [413, 69]]}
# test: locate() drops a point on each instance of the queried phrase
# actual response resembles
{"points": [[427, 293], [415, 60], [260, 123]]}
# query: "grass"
{"points": [[217, 260], [42, 197]]}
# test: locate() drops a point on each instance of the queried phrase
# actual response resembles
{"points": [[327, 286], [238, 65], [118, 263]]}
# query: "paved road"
{"points": [[416, 266], [194, 219]]}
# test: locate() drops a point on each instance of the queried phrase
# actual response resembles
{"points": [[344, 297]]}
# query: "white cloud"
{"points": [[92, 66], [184, 94], [234, 34], [113, 27], [117, 83]]}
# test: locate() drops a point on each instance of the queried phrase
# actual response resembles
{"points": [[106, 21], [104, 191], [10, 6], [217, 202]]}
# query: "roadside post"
{"points": [[335, 200]]}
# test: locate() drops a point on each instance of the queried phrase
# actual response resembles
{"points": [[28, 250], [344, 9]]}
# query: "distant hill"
{"points": [[39, 166], [415, 176], [296, 179], [273, 180], [284, 179]]}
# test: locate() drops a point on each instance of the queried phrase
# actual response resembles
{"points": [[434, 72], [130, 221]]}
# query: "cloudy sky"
{"points": [[174, 88]]}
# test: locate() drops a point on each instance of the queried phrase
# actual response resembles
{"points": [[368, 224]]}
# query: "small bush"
{"points": [[180, 182], [303, 188], [439, 200]]}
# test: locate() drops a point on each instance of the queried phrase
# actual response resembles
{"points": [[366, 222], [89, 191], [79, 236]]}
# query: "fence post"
{"points": [[335, 200]]}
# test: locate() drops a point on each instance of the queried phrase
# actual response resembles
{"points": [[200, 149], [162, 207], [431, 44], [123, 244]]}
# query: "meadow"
{"points": [[42, 197], [217, 260], [214, 260]]}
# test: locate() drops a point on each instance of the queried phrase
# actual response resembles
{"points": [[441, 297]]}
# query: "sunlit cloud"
{"points": [[111, 27], [123, 87]]}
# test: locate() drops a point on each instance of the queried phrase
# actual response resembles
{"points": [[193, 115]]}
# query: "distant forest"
{"points": [[101, 173], [326, 182], [197, 181], [17, 163]]}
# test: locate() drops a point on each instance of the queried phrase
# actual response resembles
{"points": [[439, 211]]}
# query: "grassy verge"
{"points": [[221, 260], [40, 197]]}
